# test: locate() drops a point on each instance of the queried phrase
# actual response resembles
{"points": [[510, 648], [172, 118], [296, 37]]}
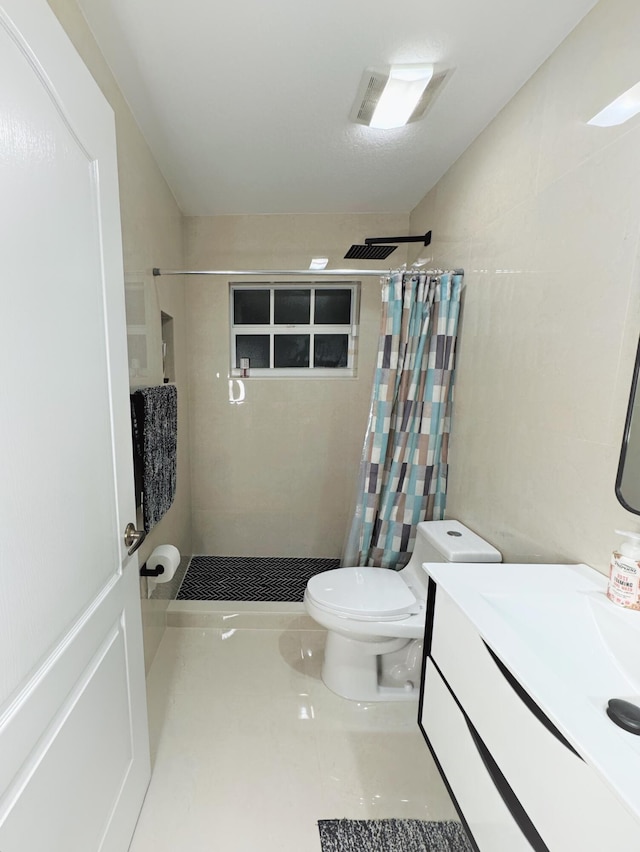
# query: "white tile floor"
{"points": [[250, 748]]}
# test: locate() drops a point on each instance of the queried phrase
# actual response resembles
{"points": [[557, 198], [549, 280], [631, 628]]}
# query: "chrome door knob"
{"points": [[133, 538]]}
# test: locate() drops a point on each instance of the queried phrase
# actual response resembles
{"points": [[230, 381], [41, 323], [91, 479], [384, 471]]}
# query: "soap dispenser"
{"points": [[624, 572]]}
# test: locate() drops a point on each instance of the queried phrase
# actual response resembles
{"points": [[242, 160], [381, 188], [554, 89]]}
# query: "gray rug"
{"points": [[391, 835]]}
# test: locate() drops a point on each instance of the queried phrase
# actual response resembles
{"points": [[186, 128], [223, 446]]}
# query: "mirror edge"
{"points": [[625, 435]]}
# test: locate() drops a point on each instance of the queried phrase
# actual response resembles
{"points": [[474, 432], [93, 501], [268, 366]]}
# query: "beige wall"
{"points": [[152, 236], [275, 476], [543, 212]]}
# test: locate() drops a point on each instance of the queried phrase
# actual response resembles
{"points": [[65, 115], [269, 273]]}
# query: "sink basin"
{"points": [[582, 634], [620, 632]]}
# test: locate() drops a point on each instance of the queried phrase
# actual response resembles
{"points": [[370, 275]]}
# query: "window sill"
{"points": [[304, 373]]}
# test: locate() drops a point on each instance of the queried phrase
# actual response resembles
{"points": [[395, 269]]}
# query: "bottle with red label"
{"points": [[624, 572]]}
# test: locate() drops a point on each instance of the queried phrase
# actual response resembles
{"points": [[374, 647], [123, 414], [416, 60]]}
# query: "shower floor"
{"points": [[250, 578]]}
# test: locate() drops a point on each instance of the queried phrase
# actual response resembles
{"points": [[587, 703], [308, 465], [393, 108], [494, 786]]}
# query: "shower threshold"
{"points": [[236, 615]]}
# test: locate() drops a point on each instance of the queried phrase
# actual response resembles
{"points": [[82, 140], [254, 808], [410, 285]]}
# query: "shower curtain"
{"points": [[403, 472]]}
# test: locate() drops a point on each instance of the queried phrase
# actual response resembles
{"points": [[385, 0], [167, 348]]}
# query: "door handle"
{"points": [[133, 538]]}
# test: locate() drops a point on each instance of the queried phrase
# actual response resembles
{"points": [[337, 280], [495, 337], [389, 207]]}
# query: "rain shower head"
{"points": [[370, 252]]}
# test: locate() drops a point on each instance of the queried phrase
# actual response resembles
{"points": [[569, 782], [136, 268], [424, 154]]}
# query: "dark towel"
{"points": [[154, 424]]}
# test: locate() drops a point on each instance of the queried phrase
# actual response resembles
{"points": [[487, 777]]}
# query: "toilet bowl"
{"points": [[375, 617]]}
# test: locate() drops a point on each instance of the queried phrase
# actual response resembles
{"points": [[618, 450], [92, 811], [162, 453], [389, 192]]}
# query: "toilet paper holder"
{"points": [[160, 566], [151, 572]]}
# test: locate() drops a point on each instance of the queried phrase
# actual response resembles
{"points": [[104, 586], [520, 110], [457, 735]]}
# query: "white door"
{"points": [[74, 761]]}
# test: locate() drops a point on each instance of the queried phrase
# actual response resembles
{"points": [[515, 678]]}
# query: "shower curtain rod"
{"points": [[306, 272]]}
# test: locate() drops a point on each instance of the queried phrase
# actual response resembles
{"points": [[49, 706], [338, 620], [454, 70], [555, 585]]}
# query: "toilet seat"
{"points": [[365, 594]]}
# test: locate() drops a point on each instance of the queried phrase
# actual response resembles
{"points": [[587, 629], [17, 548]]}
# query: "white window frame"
{"points": [[310, 328]]}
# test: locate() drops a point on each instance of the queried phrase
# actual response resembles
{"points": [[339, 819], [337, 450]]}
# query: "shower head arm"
{"points": [[372, 241]]}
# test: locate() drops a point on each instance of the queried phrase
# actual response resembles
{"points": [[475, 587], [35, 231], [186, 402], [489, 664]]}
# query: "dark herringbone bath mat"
{"points": [[250, 578]]}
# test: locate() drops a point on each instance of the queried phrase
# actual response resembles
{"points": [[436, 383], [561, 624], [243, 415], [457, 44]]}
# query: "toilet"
{"points": [[375, 617]]}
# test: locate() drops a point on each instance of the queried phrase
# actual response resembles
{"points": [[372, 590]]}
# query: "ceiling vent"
{"points": [[372, 85]]}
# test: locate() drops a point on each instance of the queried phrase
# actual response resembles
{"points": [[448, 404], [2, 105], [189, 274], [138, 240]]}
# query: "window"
{"points": [[294, 329]]}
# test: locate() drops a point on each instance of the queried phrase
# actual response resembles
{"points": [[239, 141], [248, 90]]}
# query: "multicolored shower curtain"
{"points": [[403, 473]]}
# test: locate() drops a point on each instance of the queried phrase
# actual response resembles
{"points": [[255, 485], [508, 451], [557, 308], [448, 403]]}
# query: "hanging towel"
{"points": [[154, 424]]}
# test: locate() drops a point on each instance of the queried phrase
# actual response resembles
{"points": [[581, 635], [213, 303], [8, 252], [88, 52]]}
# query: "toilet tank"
{"points": [[450, 541]]}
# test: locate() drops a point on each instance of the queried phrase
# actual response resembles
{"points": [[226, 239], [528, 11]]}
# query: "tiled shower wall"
{"points": [[276, 475], [543, 211]]}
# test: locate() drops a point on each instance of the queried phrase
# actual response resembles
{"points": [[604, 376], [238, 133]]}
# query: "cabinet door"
{"points": [[489, 819]]}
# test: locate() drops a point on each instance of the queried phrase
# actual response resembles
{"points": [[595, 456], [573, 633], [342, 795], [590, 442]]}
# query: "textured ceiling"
{"points": [[246, 104]]}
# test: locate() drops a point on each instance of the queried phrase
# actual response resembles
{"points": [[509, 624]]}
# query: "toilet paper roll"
{"points": [[168, 557]]}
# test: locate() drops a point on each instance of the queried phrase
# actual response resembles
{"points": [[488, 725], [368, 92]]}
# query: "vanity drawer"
{"points": [[488, 817], [566, 800]]}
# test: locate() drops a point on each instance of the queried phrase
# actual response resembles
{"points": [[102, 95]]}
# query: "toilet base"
{"points": [[385, 670]]}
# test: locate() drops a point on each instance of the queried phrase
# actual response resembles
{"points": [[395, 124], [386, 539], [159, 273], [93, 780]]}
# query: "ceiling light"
{"points": [[395, 96], [400, 96], [620, 110], [318, 262]]}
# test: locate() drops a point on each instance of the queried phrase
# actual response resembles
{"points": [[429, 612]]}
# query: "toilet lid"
{"points": [[365, 593]]}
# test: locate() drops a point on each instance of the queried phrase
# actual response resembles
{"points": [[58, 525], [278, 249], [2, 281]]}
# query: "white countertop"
{"points": [[540, 620]]}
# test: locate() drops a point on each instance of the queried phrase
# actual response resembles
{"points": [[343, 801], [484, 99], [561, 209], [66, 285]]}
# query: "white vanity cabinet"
{"points": [[516, 779]]}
